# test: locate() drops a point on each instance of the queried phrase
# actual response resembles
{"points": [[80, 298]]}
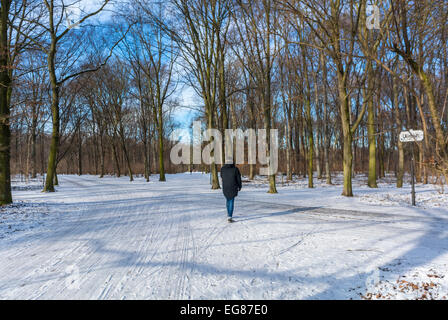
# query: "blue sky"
{"points": [[185, 94]]}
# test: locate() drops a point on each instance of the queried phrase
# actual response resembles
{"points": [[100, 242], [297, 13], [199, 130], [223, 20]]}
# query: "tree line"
{"points": [[339, 79]]}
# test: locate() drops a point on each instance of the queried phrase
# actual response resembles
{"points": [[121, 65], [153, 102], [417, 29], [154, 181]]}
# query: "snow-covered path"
{"points": [[112, 239]]}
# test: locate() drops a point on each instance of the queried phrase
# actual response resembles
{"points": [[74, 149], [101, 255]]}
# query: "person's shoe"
{"points": [[230, 220]]}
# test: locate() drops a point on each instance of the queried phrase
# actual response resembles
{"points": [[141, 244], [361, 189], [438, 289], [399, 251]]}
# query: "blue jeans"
{"points": [[230, 203]]}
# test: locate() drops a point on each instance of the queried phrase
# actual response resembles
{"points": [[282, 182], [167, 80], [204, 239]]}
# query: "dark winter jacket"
{"points": [[231, 180]]}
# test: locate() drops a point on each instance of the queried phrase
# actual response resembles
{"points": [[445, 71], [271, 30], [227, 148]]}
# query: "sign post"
{"points": [[412, 136], [413, 177]]}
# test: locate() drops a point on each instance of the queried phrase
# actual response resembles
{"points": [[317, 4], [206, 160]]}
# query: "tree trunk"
{"points": [[79, 152], [33, 154], [28, 157], [441, 149], [146, 164], [251, 111], [308, 119], [381, 147], [371, 128], [289, 149], [116, 159], [267, 127], [326, 131], [400, 165], [5, 87], [347, 164], [318, 166], [213, 167], [102, 154], [347, 135], [161, 164], [54, 145], [128, 161], [310, 148]]}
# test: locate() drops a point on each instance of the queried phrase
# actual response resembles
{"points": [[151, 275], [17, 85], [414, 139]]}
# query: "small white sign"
{"points": [[411, 135]]}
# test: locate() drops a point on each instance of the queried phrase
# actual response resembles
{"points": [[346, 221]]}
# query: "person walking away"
{"points": [[231, 184]]}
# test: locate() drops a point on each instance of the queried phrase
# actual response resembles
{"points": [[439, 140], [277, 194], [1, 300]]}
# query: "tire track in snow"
{"points": [[86, 262], [134, 282], [49, 270], [182, 245], [127, 280]]}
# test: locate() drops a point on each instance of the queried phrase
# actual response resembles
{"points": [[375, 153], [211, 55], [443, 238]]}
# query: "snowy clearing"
{"points": [[113, 239]]}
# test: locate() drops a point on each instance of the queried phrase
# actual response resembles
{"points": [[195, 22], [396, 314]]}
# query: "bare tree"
{"points": [[201, 43]]}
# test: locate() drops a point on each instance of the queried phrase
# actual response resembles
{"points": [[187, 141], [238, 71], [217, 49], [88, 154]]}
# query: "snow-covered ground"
{"points": [[430, 198], [113, 239], [22, 215]]}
